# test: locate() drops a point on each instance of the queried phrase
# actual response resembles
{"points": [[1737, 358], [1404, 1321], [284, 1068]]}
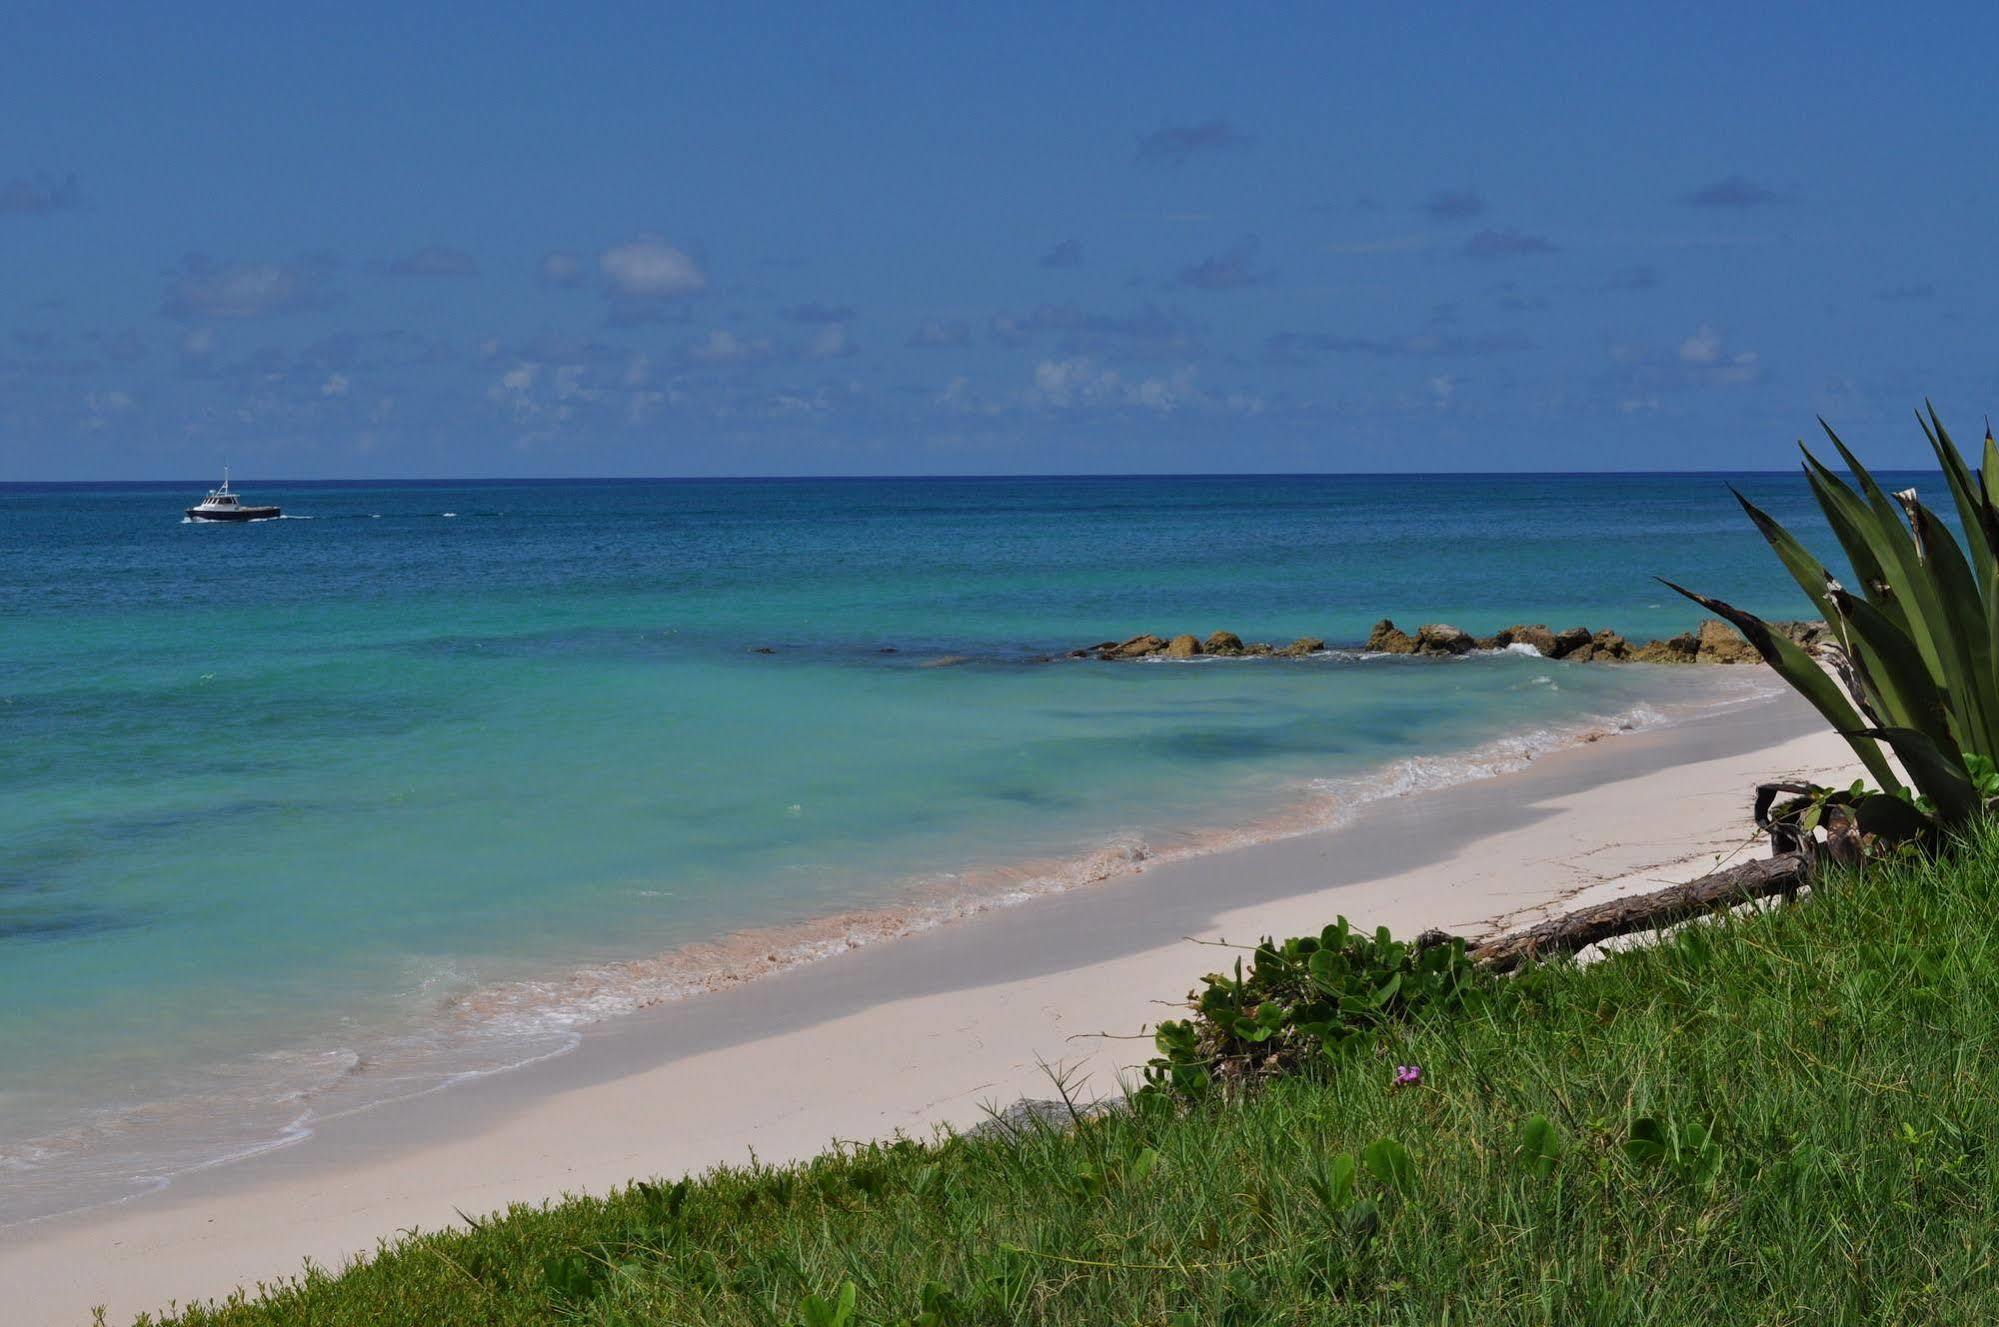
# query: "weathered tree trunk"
{"points": [[1782, 874]]}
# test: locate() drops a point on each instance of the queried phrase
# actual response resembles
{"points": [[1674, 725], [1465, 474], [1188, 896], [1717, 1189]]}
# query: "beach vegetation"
{"points": [[1781, 1116], [1915, 650]]}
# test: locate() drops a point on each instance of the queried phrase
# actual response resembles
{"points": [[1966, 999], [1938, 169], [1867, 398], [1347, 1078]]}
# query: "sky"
{"points": [[375, 240]]}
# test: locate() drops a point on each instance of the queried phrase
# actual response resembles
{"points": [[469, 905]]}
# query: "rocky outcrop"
{"points": [[1568, 642], [1720, 643], [1440, 638], [1387, 639], [1712, 643], [1679, 649]]}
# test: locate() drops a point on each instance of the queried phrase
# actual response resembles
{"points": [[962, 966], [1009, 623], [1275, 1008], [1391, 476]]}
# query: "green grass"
{"points": [[1789, 1118]]}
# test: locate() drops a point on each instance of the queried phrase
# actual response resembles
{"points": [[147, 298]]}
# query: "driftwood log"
{"points": [[1781, 874]]}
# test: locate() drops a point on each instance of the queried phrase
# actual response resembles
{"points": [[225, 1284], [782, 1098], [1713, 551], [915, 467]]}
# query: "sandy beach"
{"points": [[926, 1032]]}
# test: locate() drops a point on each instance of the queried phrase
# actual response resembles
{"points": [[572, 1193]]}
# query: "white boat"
{"points": [[222, 505]]}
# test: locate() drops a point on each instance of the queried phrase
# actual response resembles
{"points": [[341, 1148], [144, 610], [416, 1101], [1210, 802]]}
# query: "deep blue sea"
{"points": [[303, 815]]}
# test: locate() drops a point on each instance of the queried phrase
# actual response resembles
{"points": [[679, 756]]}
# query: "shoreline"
{"points": [[970, 1013], [508, 1022]]}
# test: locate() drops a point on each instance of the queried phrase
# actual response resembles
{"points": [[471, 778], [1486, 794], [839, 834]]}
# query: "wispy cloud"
{"points": [[561, 268], [1069, 253], [1506, 243], [1454, 205], [814, 313], [1232, 269], [1147, 331], [435, 260], [1390, 244], [831, 341], [1175, 144], [1290, 347], [1633, 280], [202, 288], [940, 334], [1731, 191], [31, 196]]}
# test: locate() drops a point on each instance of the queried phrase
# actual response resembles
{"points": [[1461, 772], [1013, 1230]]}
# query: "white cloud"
{"points": [[1069, 383], [722, 346], [335, 385], [831, 342], [1712, 360], [102, 405], [650, 268], [560, 267], [1703, 347], [203, 288]]}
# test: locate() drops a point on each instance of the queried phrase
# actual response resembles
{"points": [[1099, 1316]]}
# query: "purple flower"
{"points": [[1408, 1075]]}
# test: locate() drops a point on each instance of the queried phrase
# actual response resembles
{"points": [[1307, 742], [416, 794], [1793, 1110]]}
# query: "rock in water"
{"points": [[1386, 639], [1258, 650], [1140, 646], [1722, 644], [1536, 635], [1182, 647], [1609, 647], [1440, 638], [1679, 650], [1224, 643], [1568, 642], [1302, 646]]}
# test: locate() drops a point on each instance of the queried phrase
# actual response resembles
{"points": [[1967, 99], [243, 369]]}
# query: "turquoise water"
{"points": [[302, 815]]}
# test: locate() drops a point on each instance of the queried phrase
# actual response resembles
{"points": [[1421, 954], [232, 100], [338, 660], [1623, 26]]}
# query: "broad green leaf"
{"points": [[1389, 1161], [1647, 1143], [1891, 818], [1540, 1146]]}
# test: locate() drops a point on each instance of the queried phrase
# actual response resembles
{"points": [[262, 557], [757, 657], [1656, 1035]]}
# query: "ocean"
{"points": [[303, 816]]}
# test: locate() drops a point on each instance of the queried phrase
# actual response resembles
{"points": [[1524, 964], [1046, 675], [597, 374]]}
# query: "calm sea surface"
{"points": [[302, 815]]}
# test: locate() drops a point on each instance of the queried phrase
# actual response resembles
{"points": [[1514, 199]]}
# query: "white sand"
{"points": [[925, 1031]]}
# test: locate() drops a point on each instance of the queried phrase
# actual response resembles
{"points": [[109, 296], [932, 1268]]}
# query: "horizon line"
{"points": [[932, 478]]}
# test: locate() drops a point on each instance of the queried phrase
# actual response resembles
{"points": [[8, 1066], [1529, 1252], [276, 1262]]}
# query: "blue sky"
{"points": [[868, 239]]}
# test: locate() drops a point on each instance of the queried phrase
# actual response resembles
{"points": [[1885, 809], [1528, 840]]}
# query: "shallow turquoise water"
{"points": [[297, 815]]}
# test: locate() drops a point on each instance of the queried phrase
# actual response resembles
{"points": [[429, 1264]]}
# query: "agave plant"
{"points": [[1916, 647]]}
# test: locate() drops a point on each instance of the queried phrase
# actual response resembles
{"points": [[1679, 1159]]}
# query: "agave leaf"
{"points": [[1852, 525], [1807, 679], [1806, 570], [1927, 623], [1988, 476], [1893, 668], [1965, 490], [1960, 624], [1937, 771]]}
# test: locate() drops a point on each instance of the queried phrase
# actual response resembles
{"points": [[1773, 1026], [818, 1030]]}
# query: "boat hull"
{"points": [[240, 514]]}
